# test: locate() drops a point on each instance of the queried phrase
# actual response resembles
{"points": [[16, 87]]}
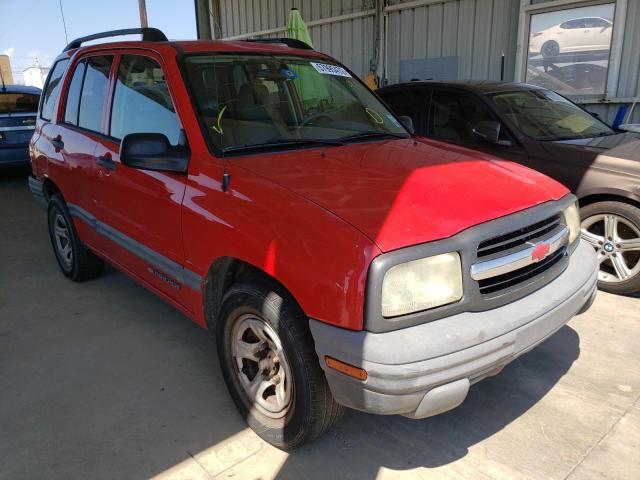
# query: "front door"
{"points": [[140, 210]]}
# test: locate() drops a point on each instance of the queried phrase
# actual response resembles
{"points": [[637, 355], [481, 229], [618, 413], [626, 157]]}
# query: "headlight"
{"points": [[572, 217], [422, 284]]}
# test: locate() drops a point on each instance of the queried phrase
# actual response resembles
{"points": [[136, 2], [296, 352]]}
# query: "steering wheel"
{"points": [[316, 116]]}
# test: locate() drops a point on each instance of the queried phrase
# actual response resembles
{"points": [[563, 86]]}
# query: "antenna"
{"points": [[64, 24]]}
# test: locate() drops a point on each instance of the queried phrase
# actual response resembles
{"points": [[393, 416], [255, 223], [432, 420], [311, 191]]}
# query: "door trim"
{"points": [[182, 275]]}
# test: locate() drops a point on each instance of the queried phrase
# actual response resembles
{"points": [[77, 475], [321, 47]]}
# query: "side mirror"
{"points": [[152, 151], [407, 122], [594, 114], [487, 130]]}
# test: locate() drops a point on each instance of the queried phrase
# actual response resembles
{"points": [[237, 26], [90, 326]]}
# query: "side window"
{"points": [[453, 116], [73, 95], [94, 92], [405, 103], [141, 103], [52, 90]]}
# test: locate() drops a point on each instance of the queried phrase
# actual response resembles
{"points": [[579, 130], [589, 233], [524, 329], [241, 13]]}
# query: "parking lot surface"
{"points": [[104, 380]]}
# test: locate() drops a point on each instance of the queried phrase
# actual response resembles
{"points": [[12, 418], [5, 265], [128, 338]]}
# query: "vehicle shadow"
{"points": [[361, 444]]}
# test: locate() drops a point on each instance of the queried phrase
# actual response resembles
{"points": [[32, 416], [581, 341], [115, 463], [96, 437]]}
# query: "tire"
{"points": [[76, 261], [308, 408], [617, 243], [550, 49]]}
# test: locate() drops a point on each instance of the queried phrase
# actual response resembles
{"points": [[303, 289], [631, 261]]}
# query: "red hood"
{"points": [[401, 193]]}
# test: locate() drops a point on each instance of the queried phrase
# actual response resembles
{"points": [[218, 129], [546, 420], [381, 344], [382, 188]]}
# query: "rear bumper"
{"points": [[427, 369], [14, 156], [37, 190]]}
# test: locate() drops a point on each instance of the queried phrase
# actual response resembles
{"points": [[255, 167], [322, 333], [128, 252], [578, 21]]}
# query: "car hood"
{"points": [[405, 192], [619, 152]]}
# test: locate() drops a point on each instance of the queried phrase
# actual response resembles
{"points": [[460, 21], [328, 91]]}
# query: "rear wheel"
{"points": [[613, 229], [271, 368], [76, 261]]}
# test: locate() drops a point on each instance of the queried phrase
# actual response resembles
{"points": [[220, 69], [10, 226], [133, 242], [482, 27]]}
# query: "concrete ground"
{"points": [[104, 380]]}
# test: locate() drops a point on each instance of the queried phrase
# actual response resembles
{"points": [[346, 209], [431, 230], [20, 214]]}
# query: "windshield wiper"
{"points": [[372, 134], [284, 143]]}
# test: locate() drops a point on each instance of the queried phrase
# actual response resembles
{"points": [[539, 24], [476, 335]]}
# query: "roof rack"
{"points": [[148, 34], [289, 42]]}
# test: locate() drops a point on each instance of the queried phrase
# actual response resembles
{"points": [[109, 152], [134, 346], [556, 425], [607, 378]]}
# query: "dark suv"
{"points": [[18, 109]]}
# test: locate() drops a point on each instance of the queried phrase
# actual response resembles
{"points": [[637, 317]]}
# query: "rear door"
{"points": [[79, 129], [140, 210]]}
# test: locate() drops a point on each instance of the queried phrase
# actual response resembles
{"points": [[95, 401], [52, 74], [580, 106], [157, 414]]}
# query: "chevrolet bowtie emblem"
{"points": [[540, 252]]}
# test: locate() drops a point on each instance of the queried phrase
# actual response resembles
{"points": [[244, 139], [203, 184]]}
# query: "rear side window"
{"points": [[94, 92], [405, 103], [18, 102], [73, 96], [52, 89], [141, 102]]}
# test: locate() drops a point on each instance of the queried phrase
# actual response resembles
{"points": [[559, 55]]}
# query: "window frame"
{"points": [[67, 84], [63, 120], [527, 10], [54, 112]]}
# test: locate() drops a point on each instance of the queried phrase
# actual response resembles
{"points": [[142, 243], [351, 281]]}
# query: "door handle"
{"points": [[57, 143], [107, 163]]}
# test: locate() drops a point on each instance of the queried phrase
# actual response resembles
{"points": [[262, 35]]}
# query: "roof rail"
{"points": [[148, 34], [289, 42]]}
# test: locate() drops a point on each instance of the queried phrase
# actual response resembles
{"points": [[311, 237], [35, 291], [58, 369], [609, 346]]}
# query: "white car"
{"points": [[578, 35]]}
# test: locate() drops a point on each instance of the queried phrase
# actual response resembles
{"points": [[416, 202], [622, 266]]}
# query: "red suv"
{"points": [[266, 193]]}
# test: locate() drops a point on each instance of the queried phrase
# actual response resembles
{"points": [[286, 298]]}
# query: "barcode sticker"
{"points": [[327, 69]]}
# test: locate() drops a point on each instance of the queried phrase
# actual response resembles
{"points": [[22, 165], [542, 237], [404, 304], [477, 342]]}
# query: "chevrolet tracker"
{"points": [[261, 189]]}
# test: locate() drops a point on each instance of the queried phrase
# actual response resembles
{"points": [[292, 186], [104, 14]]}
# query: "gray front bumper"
{"points": [[427, 369]]}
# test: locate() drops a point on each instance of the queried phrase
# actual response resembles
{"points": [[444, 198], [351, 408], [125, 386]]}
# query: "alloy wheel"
{"points": [[63, 240], [262, 366], [617, 241]]}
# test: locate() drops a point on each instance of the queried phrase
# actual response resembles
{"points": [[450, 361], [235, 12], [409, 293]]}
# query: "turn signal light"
{"points": [[345, 368]]}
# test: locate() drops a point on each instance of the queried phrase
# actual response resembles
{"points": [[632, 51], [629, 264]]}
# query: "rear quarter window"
{"points": [[51, 90]]}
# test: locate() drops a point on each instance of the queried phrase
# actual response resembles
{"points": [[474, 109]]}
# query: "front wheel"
{"points": [[270, 366], [613, 229]]}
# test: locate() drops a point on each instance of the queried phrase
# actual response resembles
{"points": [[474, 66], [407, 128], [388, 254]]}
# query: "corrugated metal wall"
{"points": [[476, 31], [351, 41]]}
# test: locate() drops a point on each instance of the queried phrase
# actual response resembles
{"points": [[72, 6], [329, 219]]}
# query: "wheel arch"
{"points": [[50, 188], [225, 272], [609, 196]]}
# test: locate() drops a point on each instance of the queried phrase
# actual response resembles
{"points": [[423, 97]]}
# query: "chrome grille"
{"points": [[513, 258], [518, 237]]}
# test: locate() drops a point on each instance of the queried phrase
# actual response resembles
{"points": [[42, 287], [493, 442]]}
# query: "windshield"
{"points": [[249, 101], [545, 115], [18, 102]]}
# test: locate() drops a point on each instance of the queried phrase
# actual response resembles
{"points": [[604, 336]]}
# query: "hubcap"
{"points": [[262, 366], [62, 239], [617, 241]]}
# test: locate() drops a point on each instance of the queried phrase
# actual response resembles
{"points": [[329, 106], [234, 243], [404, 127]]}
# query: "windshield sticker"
{"points": [[393, 120], [327, 69]]}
